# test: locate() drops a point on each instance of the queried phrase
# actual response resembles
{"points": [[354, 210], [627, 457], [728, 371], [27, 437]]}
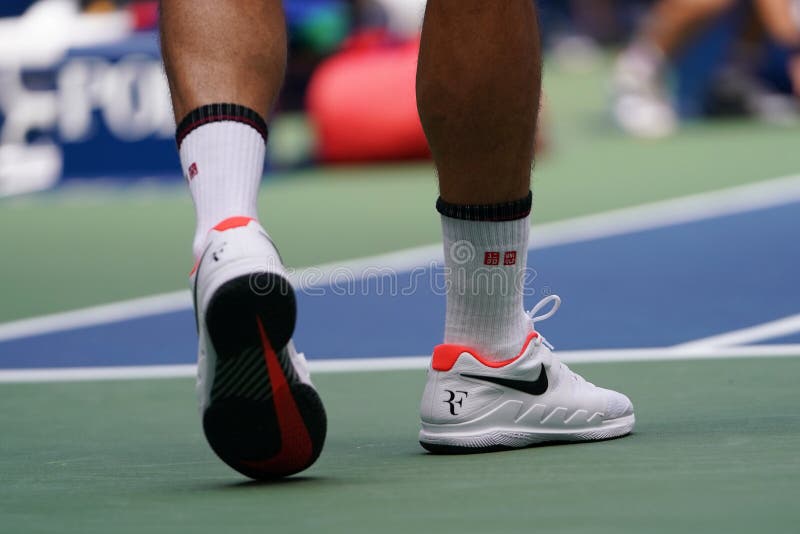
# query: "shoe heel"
{"points": [[230, 318]]}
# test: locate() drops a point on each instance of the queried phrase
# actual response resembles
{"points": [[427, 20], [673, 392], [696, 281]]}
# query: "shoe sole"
{"points": [[261, 419], [493, 440]]}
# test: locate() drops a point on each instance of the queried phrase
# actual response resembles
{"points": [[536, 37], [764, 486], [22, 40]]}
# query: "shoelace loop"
{"points": [[541, 304], [556, 300]]}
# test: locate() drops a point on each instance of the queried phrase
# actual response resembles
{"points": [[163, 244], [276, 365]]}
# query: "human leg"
{"points": [[478, 90], [225, 63]]}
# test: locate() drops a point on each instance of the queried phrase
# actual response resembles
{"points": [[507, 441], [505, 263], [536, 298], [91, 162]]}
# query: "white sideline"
{"points": [[93, 374], [773, 329], [734, 200], [97, 315]]}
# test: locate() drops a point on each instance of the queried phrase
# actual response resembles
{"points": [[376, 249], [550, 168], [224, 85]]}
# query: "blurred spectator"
{"points": [[642, 105]]}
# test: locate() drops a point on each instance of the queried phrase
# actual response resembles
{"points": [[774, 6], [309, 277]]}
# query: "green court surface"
{"points": [[715, 450], [716, 443]]}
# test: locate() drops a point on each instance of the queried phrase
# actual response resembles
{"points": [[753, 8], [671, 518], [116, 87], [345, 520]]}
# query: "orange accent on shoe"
{"points": [[233, 222], [446, 356], [296, 449], [194, 268]]}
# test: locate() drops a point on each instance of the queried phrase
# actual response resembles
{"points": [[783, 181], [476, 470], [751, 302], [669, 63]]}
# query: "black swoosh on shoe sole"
{"points": [[536, 387]]}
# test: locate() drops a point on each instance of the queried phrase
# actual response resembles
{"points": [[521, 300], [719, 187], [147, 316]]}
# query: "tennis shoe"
{"points": [[261, 413], [473, 404]]}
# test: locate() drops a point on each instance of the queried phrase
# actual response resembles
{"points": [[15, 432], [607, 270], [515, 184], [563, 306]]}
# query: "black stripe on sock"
{"points": [[507, 211], [217, 113]]}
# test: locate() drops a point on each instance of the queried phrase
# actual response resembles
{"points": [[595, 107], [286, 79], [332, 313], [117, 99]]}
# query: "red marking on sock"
{"points": [[446, 356], [491, 258], [233, 222], [192, 171], [296, 449], [510, 257]]}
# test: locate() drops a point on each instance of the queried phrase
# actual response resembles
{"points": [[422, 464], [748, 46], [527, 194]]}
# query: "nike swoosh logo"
{"points": [[536, 387]]}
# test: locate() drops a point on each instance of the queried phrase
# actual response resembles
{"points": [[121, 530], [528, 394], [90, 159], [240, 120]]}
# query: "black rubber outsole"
{"points": [[235, 305], [242, 423], [434, 448]]}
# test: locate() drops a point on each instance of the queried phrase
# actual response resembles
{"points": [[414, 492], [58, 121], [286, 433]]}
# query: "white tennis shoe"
{"points": [[471, 403], [261, 413], [640, 103]]}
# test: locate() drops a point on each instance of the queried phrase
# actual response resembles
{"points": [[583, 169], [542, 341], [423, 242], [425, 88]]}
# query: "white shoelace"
{"points": [[556, 300], [540, 340]]}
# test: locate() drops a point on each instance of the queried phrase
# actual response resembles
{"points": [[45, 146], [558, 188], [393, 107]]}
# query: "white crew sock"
{"points": [[485, 265], [223, 162]]}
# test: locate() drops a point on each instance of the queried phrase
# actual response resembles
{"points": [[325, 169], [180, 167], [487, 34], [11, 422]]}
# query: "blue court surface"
{"points": [[732, 275]]}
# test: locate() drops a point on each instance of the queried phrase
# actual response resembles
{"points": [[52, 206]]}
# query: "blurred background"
{"points": [[645, 100], [82, 93]]}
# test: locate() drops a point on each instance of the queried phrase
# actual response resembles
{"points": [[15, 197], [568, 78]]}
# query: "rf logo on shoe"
{"points": [[457, 398]]}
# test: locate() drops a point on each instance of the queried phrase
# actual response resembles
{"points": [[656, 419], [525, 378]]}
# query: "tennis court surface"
{"points": [[678, 267]]}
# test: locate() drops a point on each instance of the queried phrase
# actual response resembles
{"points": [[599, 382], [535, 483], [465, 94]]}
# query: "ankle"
{"points": [[486, 267], [222, 149]]}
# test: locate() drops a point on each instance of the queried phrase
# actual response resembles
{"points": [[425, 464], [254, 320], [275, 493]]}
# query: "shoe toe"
{"points": [[617, 405]]}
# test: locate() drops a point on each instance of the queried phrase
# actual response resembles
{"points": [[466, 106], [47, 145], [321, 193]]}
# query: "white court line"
{"points": [[779, 328], [95, 374], [92, 374], [97, 315], [731, 201]]}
